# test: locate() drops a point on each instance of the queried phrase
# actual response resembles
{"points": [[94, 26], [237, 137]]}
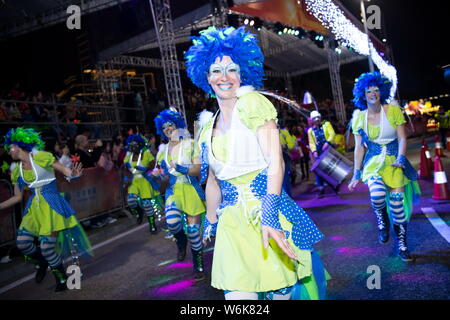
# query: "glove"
{"points": [[209, 229], [400, 162], [270, 207], [182, 169], [356, 175]]}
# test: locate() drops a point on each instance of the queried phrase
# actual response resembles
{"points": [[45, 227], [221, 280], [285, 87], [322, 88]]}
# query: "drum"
{"points": [[333, 167]]}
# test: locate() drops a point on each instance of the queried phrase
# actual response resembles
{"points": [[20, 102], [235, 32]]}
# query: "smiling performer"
{"points": [[184, 195], [47, 214], [380, 129], [264, 240]]}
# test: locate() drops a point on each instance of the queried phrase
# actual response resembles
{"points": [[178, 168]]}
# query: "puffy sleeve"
{"points": [[44, 159], [202, 136], [147, 158], [255, 110], [357, 122], [395, 116], [15, 173]]}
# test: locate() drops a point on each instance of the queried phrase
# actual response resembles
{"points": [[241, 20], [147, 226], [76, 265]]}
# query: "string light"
{"points": [[343, 29]]}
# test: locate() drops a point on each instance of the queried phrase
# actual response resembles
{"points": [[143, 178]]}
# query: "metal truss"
{"points": [[140, 62], [54, 16], [336, 87], [162, 19]]}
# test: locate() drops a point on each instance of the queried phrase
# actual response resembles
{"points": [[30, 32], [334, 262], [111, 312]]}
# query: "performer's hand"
{"points": [[325, 146], [77, 170], [353, 183], [279, 238], [316, 155], [156, 172], [398, 165]]}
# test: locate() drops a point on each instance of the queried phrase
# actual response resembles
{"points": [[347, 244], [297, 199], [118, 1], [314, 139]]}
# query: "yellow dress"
{"points": [[141, 186], [240, 262], [393, 177], [40, 217], [182, 195]]}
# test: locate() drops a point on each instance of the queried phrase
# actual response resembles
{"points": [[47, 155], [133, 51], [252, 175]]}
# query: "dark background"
{"points": [[415, 30]]}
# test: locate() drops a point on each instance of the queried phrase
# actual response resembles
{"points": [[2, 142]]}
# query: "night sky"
{"points": [[416, 32]]}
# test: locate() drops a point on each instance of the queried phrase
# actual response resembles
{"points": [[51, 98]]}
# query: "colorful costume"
{"points": [[46, 211], [318, 137], [378, 172], [143, 193], [241, 264], [184, 194]]}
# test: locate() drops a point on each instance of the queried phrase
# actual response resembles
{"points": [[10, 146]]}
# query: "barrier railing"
{"points": [[7, 216]]}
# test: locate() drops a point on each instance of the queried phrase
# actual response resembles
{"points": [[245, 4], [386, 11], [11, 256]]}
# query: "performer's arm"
{"points": [[312, 143], [358, 159], [15, 199], [213, 198], [331, 134], [271, 147], [75, 172], [401, 158], [268, 138]]}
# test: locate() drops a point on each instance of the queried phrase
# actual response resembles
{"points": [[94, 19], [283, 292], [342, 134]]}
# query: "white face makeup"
{"points": [[224, 77], [373, 95]]}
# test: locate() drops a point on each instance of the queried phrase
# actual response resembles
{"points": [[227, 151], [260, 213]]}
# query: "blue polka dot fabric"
{"points": [[173, 179], [205, 165], [304, 232], [50, 194], [229, 194], [392, 150], [269, 208]]}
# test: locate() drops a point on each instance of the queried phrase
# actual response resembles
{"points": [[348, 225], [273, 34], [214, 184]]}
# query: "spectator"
{"points": [[87, 158], [62, 153]]}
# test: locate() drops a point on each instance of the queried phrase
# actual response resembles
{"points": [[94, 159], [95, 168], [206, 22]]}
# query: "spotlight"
{"points": [[252, 23], [246, 21]]}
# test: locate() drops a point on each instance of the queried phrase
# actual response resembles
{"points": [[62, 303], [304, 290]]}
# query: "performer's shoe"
{"points": [[197, 258], [152, 224], [60, 277], [181, 239], [140, 216], [41, 265], [321, 192], [383, 225], [403, 252]]}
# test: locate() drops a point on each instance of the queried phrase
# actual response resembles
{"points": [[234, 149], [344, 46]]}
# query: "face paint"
{"points": [[373, 95], [224, 77], [216, 70]]}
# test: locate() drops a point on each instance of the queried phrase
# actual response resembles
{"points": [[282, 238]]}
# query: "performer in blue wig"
{"points": [[380, 129], [143, 192], [243, 167], [47, 215], [184, 194]]}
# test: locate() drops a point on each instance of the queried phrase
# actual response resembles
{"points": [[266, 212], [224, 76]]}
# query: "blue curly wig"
{"points": [[371, 79], [168, 116], [239, 45], [25, 138], [137, 138]]}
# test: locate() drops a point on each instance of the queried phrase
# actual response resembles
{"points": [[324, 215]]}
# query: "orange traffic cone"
{"points": [[440, 181], [439, 151], [425, 161]]}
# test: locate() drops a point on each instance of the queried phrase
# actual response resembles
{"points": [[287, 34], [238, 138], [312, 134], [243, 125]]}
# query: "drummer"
{"points": [[321, 136]]}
